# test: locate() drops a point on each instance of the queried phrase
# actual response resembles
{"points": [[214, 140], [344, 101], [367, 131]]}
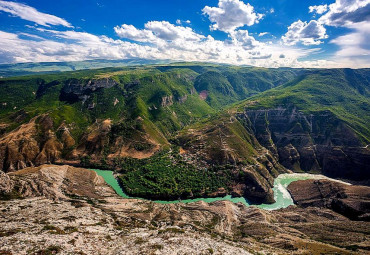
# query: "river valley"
{"points": [[281, 195]]}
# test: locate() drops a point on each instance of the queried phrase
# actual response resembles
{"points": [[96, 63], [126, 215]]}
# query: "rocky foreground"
{"points": [[65, 210]]}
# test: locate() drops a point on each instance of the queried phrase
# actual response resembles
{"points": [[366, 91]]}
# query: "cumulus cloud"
{"points": [[355, 15], [346, 12], [157, 32], [31, 14], [242, 38], [231, 14], [167, 31], [319, 9], [179, 21], [132, 33], [307, 33], [76, 46]]}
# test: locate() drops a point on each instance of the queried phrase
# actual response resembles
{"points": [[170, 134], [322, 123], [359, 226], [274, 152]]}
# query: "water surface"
{"points": [[281, 194]]}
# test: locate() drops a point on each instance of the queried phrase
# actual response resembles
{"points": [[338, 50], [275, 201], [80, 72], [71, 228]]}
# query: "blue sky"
{"points": [[270, 33]]}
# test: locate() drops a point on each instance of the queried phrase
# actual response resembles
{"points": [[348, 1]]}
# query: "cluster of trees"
{"points": [[165, 177]]}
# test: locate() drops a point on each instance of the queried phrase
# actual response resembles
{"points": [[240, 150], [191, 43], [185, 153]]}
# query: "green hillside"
{"points": [[344, 92]]}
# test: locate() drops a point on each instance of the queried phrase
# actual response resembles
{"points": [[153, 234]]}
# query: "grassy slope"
{"points": [[228, 85]]}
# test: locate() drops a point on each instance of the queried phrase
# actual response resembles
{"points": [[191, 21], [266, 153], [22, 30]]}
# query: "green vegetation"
{"points": [[228, 85], [166, 176]]}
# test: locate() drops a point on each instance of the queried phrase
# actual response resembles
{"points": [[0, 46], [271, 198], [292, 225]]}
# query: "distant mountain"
{"points": [[9, 70], [185, 130]]}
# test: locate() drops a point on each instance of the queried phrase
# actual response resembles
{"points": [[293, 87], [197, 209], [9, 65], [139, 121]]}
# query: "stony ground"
{"points": [[38, 225], [66, 210]]}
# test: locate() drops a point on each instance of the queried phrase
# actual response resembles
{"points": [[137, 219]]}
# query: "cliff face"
{"points": [[316, 142], [75, 90]]}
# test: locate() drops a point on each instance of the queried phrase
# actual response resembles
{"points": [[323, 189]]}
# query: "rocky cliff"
{"points": [[75, 90], [316, 142]]}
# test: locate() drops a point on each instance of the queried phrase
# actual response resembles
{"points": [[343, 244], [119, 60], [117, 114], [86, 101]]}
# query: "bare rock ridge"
{"points": [[348, 200], [310, 142], [72, 210], [33, 143]]}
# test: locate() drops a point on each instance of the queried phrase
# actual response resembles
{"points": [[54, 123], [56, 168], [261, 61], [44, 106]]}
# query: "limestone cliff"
{"points": [[316, 142]]}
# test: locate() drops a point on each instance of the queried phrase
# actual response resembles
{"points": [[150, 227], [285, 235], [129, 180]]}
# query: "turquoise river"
{"points": [[281, 194]]}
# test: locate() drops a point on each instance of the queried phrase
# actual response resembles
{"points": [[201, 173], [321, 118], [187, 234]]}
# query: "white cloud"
{"points": [[263, 34], [307, 33], [157, 32], [354, 46], [231, 14], [167, 31], [31, 14], [132, 33], [346, 12], [242, 38], [319, 9], [76, 46], [179, 22]]}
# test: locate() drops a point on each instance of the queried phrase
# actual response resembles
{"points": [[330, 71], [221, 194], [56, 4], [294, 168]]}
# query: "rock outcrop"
{"points": [[40, 141], [55, 182], [316, 142], [79, 90], [167, 101], [349, 200], [6, 184], [33, 143]]}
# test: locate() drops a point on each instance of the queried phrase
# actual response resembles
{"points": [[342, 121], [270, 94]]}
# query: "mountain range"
{"points": [[186, 130]]}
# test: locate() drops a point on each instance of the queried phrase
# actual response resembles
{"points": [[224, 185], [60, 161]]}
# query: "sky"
{"points": [[266, 33]]}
